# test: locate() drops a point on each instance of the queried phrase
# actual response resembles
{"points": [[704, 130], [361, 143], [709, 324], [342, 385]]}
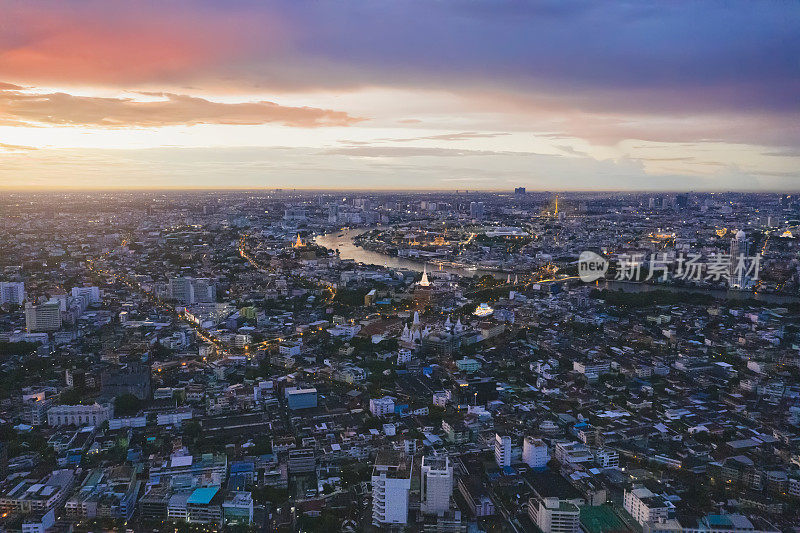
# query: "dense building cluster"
{"points": [[285, 361]]}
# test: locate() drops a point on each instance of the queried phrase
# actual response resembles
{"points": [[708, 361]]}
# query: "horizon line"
{"points": [[4, 190]]}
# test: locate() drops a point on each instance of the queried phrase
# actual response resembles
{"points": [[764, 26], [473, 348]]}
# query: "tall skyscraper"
{"points": [[391, 483], [502, 450], [738, 251], [476, 210], [12, 292], [436, 485], [191, 290], [43, 317], [180, 289]]}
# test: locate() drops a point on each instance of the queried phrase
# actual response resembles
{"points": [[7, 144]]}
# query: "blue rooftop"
{"points": [[718, 520], [203, 496], [242, 466]]}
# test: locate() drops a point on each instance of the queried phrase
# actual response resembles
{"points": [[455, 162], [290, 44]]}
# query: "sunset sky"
{"points": [[436, 94]]}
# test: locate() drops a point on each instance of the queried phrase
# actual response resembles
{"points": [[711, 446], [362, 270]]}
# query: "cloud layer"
{"points": [[18, 107], [664, 56], [483, 91]]}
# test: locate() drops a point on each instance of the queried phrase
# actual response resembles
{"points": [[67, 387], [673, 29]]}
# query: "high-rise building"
{"points": [[534, 452], [502, 450], [43, 317], [553, 515], [476, 210], [646, 507], [519, 191], [436, 485], [190, 290], [391, 483], [12, 292], [333, 213], [180, 289], [738, 252], [91, 295]]}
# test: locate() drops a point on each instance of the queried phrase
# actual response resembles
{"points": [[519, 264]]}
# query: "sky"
{"points": [[404, 94]]}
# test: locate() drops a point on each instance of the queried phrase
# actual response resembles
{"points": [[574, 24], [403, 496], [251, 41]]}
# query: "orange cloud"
{"points": [[115, 43], [20, 107]]}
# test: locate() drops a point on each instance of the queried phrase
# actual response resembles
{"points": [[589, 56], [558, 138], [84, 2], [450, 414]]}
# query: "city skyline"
{"points": [[551, 96]]}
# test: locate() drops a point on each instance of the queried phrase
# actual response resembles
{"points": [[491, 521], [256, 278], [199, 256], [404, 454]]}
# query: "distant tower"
{"points": [[556, 213], [476, 210], [739, 247]]}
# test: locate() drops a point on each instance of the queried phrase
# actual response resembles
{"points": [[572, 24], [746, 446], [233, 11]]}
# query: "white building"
{"points": [[592, 370], [502, 450], [403, 356], [552, 515], [572, 453], [90, 294], [38, 496], [77, 415], [441, 398], [381, 406], [43, 317], [177, 506], [391, 483], [606, 458], [436, 485], [12, 292], [191, 290], [238, 508], [534, 453], [174, 417], [646, 507], [290, 349]]}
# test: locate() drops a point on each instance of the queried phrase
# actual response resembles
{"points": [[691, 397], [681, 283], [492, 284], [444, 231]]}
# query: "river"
{"points": [[343, 241]]}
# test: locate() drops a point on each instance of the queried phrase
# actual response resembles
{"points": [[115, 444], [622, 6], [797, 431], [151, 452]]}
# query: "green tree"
{"points": [[127, 405]]}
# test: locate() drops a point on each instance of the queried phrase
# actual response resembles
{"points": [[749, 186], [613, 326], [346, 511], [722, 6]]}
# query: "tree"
{"points": [[72, 396], [127, 405]]}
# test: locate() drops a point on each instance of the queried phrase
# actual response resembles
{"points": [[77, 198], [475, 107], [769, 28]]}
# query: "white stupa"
{"points": [[424, 281]]}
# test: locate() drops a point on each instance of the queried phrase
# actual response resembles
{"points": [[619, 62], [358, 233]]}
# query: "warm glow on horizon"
{"points": [[221, 95]]}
